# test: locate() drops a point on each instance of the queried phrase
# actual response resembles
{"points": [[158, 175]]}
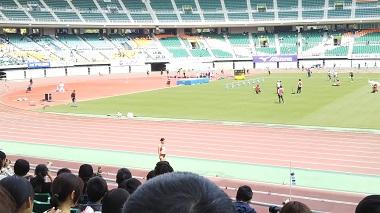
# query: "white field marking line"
{"points": [[217, 154], [258, 125], [271, 129], [196, 141], [263, 138], [209, 139], [221, 160], [191, 135], [212, 127]]}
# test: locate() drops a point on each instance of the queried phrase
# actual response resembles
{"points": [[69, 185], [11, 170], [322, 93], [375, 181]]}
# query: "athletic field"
{"points": [[351, 105]]}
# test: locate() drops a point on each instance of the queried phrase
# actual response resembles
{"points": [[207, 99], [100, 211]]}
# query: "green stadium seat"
{"points": [[239, 40], [238, 16], [313, 4], [15, 15], [42, 197], [221, 54], [10, 4], [235, 5], [190, 17], [257, 36], [161, 5], [263, 15], [179, 53], [40, 207], [134, 5], [170, 42], [167, 17], [339, 14], [268, 3], [288, 4], [200, 53], [42, 16], [367, 12], [181, 3], [54, 4], [117, 17], [93, 17], [312, 37], [109, 3], [288, 37], [312, 14], [366, 49], [288, 15], [26, 3], [286, 50], [214, 16], [339, 51], [68, 16], [141, 17], [266, 51], [207, 5]]}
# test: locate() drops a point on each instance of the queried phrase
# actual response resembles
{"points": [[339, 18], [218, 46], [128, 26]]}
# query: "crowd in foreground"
{"points": [[164, 191]]}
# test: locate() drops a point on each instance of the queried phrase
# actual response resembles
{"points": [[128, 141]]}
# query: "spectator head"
{"points": [[86, 171], [370, 204], [244, 194], [7, 204], [96, 189], [130, 185], [295, 207], [40, 172], [3, 156], [63, 170], [123, 174], [150, 175], [21, 191], [21, 167], [179, 192], [162, 167], [114, 200], [66, 189]]}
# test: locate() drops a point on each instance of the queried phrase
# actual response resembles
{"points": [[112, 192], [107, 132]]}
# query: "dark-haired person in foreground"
{"points": [[21, 168], [96, 189], [38, 181], [122, 175], [21, 191], [162, 167], [179, 192], [114, 200], [243, 198], [66, 191], [5, 169], [7, 205], [370, 204]]}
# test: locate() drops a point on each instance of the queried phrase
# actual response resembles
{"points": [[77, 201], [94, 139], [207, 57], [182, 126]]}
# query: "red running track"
{"points": [[312, 149]]}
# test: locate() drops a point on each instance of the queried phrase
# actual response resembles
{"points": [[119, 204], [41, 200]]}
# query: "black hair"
{"points": [[114, 200], [21, 167], [179, 192], [370, 204], [123, 174], [244, 193], [162, 167], [131, 185], [150, 175], [3, 156], [63, 170], [7, 204], [96, 189], [40, 172], [62, 187], [19, 188]]}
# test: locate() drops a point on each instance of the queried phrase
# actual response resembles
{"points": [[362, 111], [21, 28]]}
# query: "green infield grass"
{"points": [[351, 105]]}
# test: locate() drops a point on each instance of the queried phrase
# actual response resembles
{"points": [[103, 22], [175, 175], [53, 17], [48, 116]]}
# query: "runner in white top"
{"points": [[162, 150]]}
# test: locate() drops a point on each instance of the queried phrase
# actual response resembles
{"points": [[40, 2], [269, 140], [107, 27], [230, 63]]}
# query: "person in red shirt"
{"points": [[375, 88], [299, 86], [162, 150], [257, 89], [280, 93]]}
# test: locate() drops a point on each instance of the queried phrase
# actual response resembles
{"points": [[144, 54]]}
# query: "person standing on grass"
{"points": [[162, 150], [299, 88], [280, 93], [74, 98]]}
